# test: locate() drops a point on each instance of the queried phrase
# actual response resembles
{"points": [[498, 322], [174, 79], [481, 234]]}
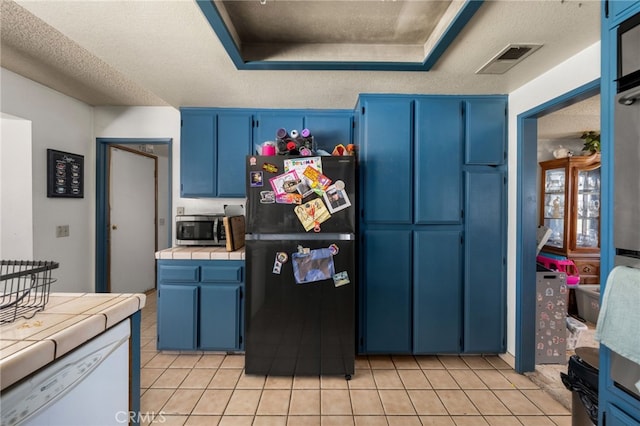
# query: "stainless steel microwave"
{"points": [[200, 230]]}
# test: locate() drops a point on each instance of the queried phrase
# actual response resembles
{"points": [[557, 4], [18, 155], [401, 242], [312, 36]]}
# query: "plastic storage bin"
{"points": [[588, 301], [551, 311], [561, 265], [574, 330]]}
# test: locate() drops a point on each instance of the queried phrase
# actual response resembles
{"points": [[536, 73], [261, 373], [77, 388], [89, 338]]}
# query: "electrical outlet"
{"points": [[180, 210], [62, 231]]}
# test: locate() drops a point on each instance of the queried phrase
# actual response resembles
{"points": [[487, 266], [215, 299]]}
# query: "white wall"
{"points": [[66, 124], [156, 122], [16, 202], [571, 74]]}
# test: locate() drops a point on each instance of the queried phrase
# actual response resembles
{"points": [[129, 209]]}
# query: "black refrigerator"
{"points": [[301, 260]]}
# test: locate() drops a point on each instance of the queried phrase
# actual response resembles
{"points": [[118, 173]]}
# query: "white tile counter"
{"points": [[68, 321], [200, 253]]}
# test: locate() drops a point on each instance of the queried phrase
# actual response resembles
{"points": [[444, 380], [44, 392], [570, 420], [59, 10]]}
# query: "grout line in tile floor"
{"points": [[210, 388]]}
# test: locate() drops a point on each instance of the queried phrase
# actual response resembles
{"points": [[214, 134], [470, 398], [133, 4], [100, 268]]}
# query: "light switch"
{"points": [[62, 231]]}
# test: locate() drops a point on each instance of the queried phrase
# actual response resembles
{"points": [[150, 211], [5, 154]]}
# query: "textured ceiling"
{"points": [[156, 52], [38, 51], [572, 121]]}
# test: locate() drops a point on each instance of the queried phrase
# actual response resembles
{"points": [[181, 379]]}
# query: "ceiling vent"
{"points": [[507, 58]]}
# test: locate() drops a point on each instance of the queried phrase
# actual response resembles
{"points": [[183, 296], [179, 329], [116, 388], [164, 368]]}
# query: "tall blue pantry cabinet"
{"points": [[616, 407], [433, 197]]}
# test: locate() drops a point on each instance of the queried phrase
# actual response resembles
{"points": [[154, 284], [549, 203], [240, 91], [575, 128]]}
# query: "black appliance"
{"points": [[626, 213], [301, 261], [628, 37], [627, 142]]}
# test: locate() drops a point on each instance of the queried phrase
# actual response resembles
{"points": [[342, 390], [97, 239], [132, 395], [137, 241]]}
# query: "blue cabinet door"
{"points": [[617, 417], [177, 316], [486, 131], [234, 140], [387, 159], [330, 129], [484, 272], [619, 10], [270, 121], [220, 316], [387, 291], [438, 172], [198, 154], [437, 292]]}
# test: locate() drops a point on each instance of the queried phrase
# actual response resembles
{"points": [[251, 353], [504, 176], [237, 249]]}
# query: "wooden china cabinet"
{"points": [[570, 206]]}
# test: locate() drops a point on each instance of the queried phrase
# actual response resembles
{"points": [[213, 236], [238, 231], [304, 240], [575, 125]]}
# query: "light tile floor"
{"points": [[212, 389]]}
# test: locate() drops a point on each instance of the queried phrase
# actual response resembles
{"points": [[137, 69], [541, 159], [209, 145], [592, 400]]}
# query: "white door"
{"points": [[132, 229]]}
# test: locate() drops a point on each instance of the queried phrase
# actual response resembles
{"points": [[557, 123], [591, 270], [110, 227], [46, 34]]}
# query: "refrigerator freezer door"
{"points": [[299, 329], [266, 216], [626, 234]]}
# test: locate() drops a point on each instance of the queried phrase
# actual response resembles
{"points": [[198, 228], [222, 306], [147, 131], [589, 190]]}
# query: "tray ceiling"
{"points": [[327, 34]]}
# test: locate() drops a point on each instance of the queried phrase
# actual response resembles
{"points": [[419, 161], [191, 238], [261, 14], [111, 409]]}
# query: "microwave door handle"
{"points": [[630, 97]]}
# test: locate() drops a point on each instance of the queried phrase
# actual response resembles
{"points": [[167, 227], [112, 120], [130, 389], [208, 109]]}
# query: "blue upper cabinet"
{"points": [[438, 146], [215, 141], [270, 121], [234, 140], [619, 10], [198, 154], [387, 159], [330, 129], [485, 132]]}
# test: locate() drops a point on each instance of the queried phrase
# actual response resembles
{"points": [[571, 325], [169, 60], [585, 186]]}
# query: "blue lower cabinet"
{"points": [[177, 316], [219, 319], [437, 293], [617, 417], [485, 300], [387, 298], [200, 305]]}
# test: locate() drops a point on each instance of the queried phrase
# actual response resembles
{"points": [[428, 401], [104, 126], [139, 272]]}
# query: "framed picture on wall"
{"points": [[65, 174]]}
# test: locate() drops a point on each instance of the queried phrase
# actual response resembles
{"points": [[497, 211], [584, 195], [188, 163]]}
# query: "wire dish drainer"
{"points": [[24, 288]]}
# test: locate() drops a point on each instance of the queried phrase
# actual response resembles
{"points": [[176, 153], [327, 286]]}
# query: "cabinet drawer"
{"points": [[183, 273], [587, 267], [227, 274]]}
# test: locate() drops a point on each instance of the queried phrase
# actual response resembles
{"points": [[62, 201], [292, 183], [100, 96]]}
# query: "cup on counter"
{"points": [[269, 148]]}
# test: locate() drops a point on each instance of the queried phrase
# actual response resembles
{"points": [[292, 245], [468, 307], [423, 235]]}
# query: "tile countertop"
{"points": [[200, 253], [68, 321]]}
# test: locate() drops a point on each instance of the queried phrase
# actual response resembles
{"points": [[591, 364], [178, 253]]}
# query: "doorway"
{"points": [[162, 225], [527, 219], [132, 216]]}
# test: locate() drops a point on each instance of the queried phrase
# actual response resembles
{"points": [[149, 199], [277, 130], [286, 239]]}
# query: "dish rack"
{"points": [[24, 288]]}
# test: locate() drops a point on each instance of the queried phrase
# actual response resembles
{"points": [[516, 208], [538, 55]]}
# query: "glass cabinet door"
{"points": [[588, 210], [554, 202]]}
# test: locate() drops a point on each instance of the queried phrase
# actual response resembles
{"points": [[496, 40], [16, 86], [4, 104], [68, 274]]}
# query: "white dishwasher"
{"points": [[87, 387]]}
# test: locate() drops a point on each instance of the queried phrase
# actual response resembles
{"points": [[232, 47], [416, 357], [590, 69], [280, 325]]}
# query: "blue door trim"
{"points": [[102, 145], [527, 222]]}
